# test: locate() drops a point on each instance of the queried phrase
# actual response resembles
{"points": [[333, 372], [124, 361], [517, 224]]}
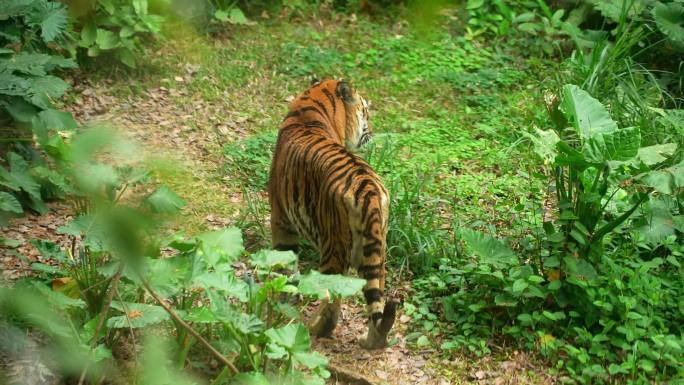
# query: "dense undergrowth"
{"points": [[533, 155]]}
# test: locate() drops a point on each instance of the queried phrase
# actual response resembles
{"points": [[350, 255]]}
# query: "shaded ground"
{"points": [[197, 95]]}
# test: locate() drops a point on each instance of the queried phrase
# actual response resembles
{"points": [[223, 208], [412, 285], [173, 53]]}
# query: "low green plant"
{"points": [[29, 64], [581, 291], [116, 27]]}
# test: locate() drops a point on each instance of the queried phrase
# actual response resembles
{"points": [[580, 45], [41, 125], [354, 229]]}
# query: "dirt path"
{"points": [[162, 127]]}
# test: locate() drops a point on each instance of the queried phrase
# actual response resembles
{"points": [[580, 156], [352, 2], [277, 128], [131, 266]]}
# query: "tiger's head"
{"points": [[357, 130]]}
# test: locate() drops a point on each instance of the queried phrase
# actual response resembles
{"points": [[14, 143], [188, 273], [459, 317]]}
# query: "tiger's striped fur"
{"points": [[321, 191]]}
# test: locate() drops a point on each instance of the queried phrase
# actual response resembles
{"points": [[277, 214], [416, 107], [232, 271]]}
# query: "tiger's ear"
{"points": [[344, 91], [314, 81]]}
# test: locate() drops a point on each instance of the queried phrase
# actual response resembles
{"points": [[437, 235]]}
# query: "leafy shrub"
{"points": [[117, 27], [588, 291], [28, 90]]}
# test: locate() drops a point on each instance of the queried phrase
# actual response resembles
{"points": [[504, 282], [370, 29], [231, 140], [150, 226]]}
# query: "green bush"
{"points": [[116, 27], [31, 34]]}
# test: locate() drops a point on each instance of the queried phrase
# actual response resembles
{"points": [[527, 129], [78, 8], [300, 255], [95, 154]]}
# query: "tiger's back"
{"points": [[321, 191]]}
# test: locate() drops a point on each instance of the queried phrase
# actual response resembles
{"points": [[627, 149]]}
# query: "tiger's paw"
{"points": [[379, 329]]}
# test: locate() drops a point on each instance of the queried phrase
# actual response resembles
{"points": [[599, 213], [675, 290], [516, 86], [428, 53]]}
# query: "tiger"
{"points": [[321, 191]]}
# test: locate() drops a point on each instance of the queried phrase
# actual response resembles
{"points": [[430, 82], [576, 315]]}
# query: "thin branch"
{"points": [[190, 330]]}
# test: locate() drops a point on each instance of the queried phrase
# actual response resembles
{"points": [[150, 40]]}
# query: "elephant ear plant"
{"points": [[602, 174]]}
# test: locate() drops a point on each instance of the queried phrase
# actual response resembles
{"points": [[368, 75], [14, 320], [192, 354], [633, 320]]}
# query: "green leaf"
{"points": [[54, 20], [19, 177], [655, 154], [57, 299], [88, 35], [200, 315], [519, 285], [221, 15], [669, 18], [324, 286], [19, 109], [587, 114], [310, 360], [227, 283], [49, 250], [660, 180], [221, 245], [490, 250], [164, 200], [273, 259], [52, 86], [57, 120], [137, 315], [106, 39], [237, 17], [293, 337], [9, 203], [127, 57], [474, 4], [617, 145], [251, 378]]}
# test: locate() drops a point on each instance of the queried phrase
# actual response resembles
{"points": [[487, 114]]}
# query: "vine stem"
{"points": [[189, 328]]}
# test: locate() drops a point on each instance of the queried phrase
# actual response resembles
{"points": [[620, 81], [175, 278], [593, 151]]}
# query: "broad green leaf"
{"points": [[324, 286], [310, 360], [617, 145], [20, 109], [49, 85], [660, 180], [580, 269], [656, 225], [221, 15], [164, 200], [666, 180], [106, 39], [519, 285], [28, 63], [240, 321], [251, 378], [54, 20], [57, 299], [293, 337], [669, 18], [49, 250], [200, 315], [57, 120], [137, 315], [9, 203], [474, 4], [296, 377], [225, 282], [587, 114], [273, 259], [655, 154], [19, 177], [236, 16], [127, 57], [221, 245], [490, 250], [88, 35]]}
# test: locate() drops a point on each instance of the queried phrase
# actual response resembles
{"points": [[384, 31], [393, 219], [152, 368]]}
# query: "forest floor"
{"points": [[210, 108]]}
